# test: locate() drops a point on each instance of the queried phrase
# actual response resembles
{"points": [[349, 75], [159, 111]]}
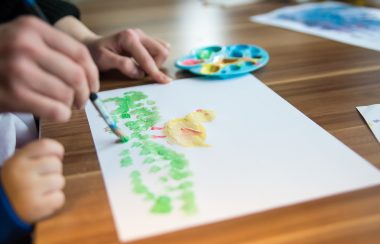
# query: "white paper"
{"points": [[264, 154], [371, 114], [230, 3], [358, 26]]}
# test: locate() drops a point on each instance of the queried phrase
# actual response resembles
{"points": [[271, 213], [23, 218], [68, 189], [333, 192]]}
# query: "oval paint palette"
{"points": [[224, 61]]}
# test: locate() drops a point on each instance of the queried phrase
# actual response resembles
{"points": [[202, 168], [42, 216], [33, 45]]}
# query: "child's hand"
{"points": [[132, 52], [33, 180]]}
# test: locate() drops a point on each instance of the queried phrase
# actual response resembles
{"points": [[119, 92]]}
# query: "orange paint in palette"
{"points": [[224, 61]]}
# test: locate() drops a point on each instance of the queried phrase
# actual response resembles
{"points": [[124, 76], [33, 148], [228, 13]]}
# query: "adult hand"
{"points": [[132, 52], [32, 180], [43, 70]]}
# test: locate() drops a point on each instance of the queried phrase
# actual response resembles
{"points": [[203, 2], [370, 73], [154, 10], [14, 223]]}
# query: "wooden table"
{"points": [[322, 78]]}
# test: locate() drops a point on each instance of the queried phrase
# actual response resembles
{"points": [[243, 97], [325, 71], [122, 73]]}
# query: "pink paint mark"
{"points": [[190, 131], [199, 110], [157, 137], [191, 62], [156, 128]]}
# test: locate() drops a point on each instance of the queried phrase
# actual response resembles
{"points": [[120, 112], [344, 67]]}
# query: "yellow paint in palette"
{"points": [[210, 69], [189, 131], [215, 67]]}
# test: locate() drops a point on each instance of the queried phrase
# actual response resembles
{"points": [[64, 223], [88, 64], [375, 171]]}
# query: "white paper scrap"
{"points": [[371, 115]]}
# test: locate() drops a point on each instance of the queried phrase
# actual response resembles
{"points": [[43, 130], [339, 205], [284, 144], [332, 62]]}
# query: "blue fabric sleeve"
{"points": [[13, 229]]}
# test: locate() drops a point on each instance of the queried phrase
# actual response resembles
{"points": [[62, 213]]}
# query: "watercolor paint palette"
{"points": [[224, 61]]}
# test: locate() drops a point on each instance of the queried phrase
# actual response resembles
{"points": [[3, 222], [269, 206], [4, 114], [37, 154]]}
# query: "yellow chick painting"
{"points": [[189, 130]]}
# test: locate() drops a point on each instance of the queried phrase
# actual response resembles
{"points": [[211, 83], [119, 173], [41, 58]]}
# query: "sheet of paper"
{"points": [[359, 26], [371, 115], [262, 153], [230, 3]]}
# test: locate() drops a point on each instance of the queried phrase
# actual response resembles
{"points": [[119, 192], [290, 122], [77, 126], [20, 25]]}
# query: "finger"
{"points": [[126, 65], [163, 43], [48, 85], [75, 50], [42, 106], [42, 148], [50, 164], [50, 183], [132, 44], [73, 74], [53, 201], [158, 51]]}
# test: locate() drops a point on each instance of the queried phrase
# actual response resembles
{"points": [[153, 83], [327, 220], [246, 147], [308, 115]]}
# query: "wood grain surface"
{"points": [[322, 78]]}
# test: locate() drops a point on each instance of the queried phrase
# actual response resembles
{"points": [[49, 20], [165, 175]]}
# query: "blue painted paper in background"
{"points": [[335, 16], [342, 22]]}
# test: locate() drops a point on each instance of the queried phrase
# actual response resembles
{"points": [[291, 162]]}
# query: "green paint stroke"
{"points": [[139, 187], [163, 204], [164, 179], [154, 169], [189, 206], [139, 114], [126, 159], [125, 162], [149, 160]]}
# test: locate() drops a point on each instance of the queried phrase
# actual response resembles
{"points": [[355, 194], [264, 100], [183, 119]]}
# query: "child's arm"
{"points": [[31, 188], [130, 51], [13, 229]]}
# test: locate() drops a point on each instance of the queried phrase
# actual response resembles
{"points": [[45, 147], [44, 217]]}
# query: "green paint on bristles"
{"points": [[124, 139]]}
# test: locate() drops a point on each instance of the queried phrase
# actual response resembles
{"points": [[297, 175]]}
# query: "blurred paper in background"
{"points": [[230, 3]]}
